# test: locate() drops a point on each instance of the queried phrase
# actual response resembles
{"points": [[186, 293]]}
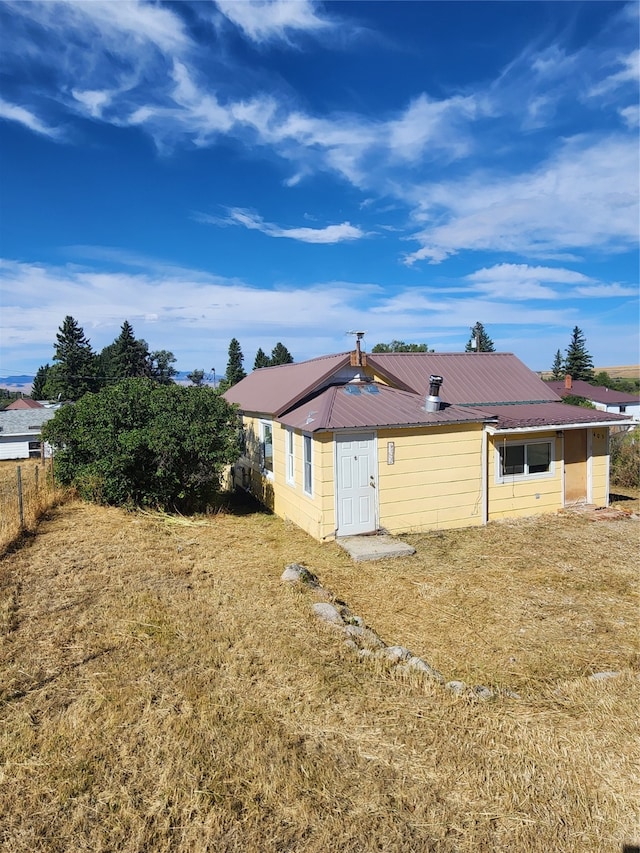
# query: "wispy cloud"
{"points": [[265, 20], [13, 112], [582, 198], [329, 234]]}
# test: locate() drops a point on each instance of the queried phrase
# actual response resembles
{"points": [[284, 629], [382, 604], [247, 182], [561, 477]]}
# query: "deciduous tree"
{"points": [[139, 443], [401, 346]]}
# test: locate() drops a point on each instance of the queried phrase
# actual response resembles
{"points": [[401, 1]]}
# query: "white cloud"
{"points": [[21, 115], [631, 116], [582, 198], [629, 73], [263, 20], [328, 234]]}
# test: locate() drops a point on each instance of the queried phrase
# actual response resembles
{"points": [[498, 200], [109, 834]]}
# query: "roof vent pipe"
{"points": [[433, 401]]}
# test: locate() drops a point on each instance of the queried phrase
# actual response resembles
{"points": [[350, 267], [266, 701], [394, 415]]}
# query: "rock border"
{"points": [[366, 643]]}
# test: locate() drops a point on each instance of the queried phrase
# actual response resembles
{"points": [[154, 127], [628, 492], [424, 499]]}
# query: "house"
{"points": [[23, 403], [20, 432], [604, 399], [356, 442]]}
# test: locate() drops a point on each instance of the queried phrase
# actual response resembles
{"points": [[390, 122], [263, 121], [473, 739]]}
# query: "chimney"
{"points": [[567, 382], [433, 401], [358, 358]]}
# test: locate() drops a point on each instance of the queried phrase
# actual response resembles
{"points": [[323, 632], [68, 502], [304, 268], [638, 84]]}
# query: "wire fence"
{"points": [[27, 491]]}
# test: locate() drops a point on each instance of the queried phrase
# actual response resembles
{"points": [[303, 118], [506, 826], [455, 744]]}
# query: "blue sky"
{"points": [[290, 171]]}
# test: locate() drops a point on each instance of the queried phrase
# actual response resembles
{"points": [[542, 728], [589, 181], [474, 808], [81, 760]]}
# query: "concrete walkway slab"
{"points": [[361, 548]]}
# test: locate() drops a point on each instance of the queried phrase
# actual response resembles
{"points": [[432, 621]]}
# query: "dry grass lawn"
{"points": [[162, 690]]}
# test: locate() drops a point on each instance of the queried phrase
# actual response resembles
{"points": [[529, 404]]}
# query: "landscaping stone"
{"points": [[394, 653], [457, 687], [420, 665], [483, 692], [603, 676], [328, 613]]}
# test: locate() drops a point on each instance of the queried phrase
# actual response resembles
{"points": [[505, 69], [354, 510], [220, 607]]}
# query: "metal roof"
{"points": [[272, 390], [470, 378], [493, 388], [597, 393], [369, 405], [521, 416]]}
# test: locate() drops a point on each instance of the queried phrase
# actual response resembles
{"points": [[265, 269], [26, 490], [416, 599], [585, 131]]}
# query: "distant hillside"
{"points": [[23, 381], [625, 371]]}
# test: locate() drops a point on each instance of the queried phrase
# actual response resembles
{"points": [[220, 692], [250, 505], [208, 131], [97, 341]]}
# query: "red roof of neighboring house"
{"points": [[596, 393], [24, 403]]}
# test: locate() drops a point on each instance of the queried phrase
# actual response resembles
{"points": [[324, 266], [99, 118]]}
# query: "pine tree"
{"points": [[480, 340], [262, 359], [578, 364], [235, 371], [74, 372], [557, 368], [38, 391], [280, 355], [129, 356]]}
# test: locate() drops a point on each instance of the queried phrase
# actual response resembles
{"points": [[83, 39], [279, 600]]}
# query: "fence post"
{"points": [[37, 471], [20, 504]]}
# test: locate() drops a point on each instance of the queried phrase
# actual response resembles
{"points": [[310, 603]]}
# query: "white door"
{"points": [[356, 484]]}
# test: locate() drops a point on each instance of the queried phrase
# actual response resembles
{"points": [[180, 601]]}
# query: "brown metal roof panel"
{"points": [[272, 390], [521, 416], [360, 407], [468, 378], [597, 393]]}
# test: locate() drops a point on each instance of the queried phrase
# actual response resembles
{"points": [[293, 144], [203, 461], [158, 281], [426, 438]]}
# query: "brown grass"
{"points": [[162, 690], [38, 495]]}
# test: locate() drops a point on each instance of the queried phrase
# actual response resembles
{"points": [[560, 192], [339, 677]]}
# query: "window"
{"points": [[307, 461], [266, 448], [524, 460], [623, 409], [291, 471]]}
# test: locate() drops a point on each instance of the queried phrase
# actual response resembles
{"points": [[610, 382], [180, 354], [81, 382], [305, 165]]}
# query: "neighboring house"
{"points": [[356, 442], [23, 403], [604, 399], [20, 433]]}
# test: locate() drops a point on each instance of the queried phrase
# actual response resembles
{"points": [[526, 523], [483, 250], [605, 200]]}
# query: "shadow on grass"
{"points": [[614, 497]]}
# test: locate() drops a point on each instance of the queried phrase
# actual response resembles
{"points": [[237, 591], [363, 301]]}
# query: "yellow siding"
{"points": [[599, 467], [523, 497], [435, 481]]}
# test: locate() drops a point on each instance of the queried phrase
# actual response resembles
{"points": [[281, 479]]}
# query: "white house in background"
{"points": [[20, 433], [604, 399]]}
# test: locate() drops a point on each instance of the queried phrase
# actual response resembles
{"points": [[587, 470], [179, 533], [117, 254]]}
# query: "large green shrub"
{"points": [[138, 443], [625, 459]]}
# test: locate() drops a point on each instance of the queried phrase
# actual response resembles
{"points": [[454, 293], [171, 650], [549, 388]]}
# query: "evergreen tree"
{"points": [[196, 377], [280, 355], [400, 346], [74, 372], [578, 364], [480, 340], [40, 382], [161, 366], [235, 371], [262, 359], [557, 368], [130, 357]]}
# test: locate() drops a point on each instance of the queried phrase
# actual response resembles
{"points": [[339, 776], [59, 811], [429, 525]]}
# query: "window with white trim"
{"points": [[290, 445], [524, 460], [266, 447], [307, 450]]}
